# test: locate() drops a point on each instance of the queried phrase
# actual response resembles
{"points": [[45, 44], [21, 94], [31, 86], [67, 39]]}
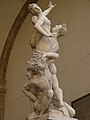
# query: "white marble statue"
{"points": [[43, 83]]}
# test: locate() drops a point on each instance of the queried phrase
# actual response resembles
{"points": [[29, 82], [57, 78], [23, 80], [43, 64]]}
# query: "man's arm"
{"points": [[28, 93], [50, 55]]}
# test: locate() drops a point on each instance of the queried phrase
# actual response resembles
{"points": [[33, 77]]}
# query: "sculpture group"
{"points": [[42, 86]]}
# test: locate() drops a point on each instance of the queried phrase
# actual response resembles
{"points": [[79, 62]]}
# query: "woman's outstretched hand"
{"points": [[51, 5]]}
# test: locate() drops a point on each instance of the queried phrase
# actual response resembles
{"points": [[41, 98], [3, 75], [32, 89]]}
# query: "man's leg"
{"points": [[58, 92], [46, 101]]}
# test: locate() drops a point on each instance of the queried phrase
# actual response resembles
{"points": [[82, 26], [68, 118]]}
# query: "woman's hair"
{"points": [[32, 8]]}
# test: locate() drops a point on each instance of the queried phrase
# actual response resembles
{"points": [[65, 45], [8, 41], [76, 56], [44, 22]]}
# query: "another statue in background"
{"points": [[42, 87]]}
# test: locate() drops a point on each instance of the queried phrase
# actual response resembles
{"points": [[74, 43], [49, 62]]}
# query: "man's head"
{"points": [[60, 29]]}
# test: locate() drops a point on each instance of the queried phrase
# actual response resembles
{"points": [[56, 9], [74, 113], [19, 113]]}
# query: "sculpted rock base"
{"points": [[50, 115]]}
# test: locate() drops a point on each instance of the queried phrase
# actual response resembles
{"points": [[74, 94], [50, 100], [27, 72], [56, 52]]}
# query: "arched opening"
{"points": [[7, 50]]}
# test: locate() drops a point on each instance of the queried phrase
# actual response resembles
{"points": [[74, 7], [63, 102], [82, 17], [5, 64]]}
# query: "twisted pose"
{"points": [[45, 41], [39, 88]]}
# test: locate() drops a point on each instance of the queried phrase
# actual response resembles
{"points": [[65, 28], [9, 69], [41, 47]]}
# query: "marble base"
{"points": [[51, 115], [60, 118], [55, 115]]}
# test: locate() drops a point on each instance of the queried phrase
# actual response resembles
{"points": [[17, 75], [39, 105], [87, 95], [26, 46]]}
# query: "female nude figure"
{"points": [[45, 41]]}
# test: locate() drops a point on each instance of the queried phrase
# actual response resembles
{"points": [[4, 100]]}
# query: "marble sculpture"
{"points": [[42, 87]]}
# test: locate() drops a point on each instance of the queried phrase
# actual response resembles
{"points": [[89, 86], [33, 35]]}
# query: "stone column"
{"points": [[2, 88], [2, 105]]}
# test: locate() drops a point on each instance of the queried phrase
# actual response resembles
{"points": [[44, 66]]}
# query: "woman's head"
{"points": [[34, 9]]}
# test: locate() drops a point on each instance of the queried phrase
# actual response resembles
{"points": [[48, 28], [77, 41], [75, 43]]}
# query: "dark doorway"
{"points": [[82, 107]]}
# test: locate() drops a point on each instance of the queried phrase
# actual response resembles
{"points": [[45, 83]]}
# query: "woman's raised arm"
{"points": [[51, 6]]}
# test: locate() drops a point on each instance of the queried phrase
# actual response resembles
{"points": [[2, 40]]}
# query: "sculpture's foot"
{"points": [[31, 116], [64, 111], [38, 116], [58, 115]]}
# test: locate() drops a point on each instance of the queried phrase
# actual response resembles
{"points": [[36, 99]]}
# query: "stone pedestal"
{"points": [[60, 118], [51, 115]]}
